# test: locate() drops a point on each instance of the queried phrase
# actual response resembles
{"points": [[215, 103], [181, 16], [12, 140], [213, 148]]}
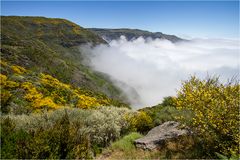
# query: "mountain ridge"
{"points": [[109, 34]]}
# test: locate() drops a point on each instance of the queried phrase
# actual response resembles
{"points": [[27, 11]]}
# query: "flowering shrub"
{"points": [[45, 102], [5, 83], [139, 121], [5, 96], [18, 69], [3, 80], [11, 84], [52, 82], [32, 93], [36, 98], [86, 102], [3, 63], [216, 112], [37, 92]]}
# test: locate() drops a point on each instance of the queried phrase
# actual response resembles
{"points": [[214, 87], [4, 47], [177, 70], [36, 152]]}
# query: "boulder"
{"points": [[159, 135]]}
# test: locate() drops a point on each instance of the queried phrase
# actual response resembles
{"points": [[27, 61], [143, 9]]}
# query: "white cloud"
{"points": [[155, 68]]}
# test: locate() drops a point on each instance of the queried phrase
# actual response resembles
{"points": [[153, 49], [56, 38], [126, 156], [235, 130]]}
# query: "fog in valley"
{"points": [[156, 68]]}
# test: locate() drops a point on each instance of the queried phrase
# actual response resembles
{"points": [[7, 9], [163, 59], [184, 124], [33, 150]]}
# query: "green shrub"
{"points": [[4, 100], [165, 111], [126, 143], [8, 140], [139, 121], [168, 101], [60, 140], [63, 133]]}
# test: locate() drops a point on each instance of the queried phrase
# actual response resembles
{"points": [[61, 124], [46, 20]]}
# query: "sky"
{"points": [[187, 19]]}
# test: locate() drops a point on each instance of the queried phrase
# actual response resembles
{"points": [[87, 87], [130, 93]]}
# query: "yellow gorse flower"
{"points": [[18, 69], [215, 107]]}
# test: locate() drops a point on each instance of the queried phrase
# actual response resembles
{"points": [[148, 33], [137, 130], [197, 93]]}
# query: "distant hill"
{"points": [[111, 34], [51, 46]]}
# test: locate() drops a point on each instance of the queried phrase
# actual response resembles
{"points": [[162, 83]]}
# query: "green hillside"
{"points": [[51, 45], [24, 91]]}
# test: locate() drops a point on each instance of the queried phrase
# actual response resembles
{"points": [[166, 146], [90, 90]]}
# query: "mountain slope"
{"points": [[24, 91], [111, 34], [51, 45]]}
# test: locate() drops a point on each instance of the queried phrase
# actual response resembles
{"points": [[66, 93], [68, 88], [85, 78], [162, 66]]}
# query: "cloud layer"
{"points": [[155, 68]]}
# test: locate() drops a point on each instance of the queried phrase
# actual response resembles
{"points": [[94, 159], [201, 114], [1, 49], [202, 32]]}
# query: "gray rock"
{"points": [[158, 135]]}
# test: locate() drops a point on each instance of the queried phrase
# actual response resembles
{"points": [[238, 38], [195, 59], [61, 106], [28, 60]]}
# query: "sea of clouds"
{"points": [[156, 68]]}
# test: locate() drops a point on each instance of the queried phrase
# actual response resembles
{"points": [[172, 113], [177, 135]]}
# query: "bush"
{"points": [[106, 124], [216, 112], [63, 133], [168, 101], [139, 121], [4, 100], [61, 140], [161, 114]]}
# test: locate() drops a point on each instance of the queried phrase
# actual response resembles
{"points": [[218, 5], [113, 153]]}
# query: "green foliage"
{"points": [[8, 141], [59, 141], [126, 143], [216, 112], [139, 121], [62, 134], [124, 148], [233, 157], [166, 111], [168, 101], [4, 101]]}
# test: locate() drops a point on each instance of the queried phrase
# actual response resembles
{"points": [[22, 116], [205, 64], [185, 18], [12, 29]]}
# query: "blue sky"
{"points": [[214, 19]]}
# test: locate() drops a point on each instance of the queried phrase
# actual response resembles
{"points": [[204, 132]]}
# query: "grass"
{"points": [[124, 148], [126, 143]]}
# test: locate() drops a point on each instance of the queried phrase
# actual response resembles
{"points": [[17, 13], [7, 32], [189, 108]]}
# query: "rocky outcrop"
{"points": [[159, 135]]}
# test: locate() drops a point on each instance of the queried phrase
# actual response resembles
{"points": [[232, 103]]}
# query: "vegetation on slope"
{"points": [[166, 111], [210, 109], [24, 91], [64, 133], [51, 46]]}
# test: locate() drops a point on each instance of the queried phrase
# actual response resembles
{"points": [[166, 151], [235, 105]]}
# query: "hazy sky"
{"points": [[184, 18]]}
